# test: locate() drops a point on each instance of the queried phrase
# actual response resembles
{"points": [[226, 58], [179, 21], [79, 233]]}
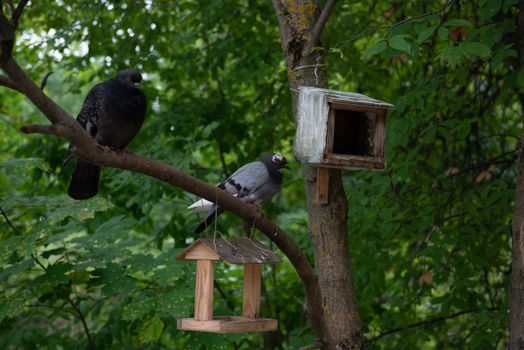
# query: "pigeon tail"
{"points": [[200, 206], [213, 212], [84, 182]]}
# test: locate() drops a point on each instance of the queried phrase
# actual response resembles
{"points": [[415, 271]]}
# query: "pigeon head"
{"points": [[275, 161], [130, 76]]}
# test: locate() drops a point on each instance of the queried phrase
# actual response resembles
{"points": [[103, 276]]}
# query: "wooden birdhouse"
{"points": [[248, 252], [338, 129]]}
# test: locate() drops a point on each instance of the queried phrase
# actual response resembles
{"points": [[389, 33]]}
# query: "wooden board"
{"points": [[252, 277], [228, 324], [380, 135], [198, 251], [204, 290], [322, 185], [357, 162]]}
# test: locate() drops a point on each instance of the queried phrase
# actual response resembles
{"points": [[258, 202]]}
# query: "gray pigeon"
{"points": [[113, 113], [254, 183]]}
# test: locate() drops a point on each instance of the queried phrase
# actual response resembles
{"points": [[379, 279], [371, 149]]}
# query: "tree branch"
{"points": [[4, 214], [431, 321], [81, 317], [64, 126], [18, 12], [5, 81], [86, 149], [57, 308], [7, 37], [393, 26], [53, 129], [319, 27]]}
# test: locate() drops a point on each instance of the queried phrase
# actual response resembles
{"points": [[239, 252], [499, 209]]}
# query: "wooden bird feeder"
{"points": [[248, 252], [338, 129]]}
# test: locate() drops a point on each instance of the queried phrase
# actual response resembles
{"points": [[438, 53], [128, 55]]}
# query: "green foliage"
{"points": [[430, 236]]}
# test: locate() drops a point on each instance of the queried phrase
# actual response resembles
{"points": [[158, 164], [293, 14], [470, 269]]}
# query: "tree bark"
{"points": [[516, 299], [337, 321]]}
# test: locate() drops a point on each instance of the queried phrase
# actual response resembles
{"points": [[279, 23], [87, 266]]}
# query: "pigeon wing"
{"points": [[88, 115], [246, 180]]}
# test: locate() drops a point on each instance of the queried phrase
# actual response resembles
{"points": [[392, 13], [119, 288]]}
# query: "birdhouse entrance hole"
{"points": [[358, 125], [355, 136]]}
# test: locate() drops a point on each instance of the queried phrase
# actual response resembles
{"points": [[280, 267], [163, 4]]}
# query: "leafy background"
{"points": [[430, 236]]}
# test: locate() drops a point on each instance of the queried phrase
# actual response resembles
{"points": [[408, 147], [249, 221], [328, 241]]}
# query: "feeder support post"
{"points": [[204, 290], [252, 278]]}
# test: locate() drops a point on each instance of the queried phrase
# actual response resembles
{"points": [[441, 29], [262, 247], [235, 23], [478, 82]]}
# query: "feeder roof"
{"points": [[233, 251], [345, 97]]}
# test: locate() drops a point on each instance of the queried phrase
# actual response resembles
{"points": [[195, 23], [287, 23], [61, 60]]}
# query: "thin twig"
{"points": [[431, 321], [82, 318], [393, 26], [44, 81], [4, 214], [38, 262], [54, 308], [319, 27]]}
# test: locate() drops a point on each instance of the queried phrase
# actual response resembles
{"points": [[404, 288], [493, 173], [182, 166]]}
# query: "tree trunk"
{"points": [[336, 321], [516, 300]]}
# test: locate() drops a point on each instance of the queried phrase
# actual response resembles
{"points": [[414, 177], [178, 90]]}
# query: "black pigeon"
{"points": [[254, 184], [113, 113]]}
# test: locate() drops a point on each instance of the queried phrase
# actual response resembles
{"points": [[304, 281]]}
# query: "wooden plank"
{"points": [[330, 131], [343, 160], [204, 290], [198, 251], [227, 324], [322, 185], [237, 324], [191, 324], [252, 277], [380, 135]]}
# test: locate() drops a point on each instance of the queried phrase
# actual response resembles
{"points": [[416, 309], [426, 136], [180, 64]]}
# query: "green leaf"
{"points": [[457, 22], [465, 51], [473, 49], [116, 279], [375, 49], [57, 273], [398, 42], [520, 79], [175, 303], [150, 329], [337, 51], [62, 206], [490, 8], [80, 277], [24, 163], [425, 34], [138, 308], [443, 33], [11, 307]]}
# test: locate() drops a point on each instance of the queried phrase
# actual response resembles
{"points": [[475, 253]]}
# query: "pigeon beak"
{"points": [[136, 84], [287, 167]]}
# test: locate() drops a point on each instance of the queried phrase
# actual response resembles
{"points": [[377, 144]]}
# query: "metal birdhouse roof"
{"points": [[233, 251], [344, 97]]}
